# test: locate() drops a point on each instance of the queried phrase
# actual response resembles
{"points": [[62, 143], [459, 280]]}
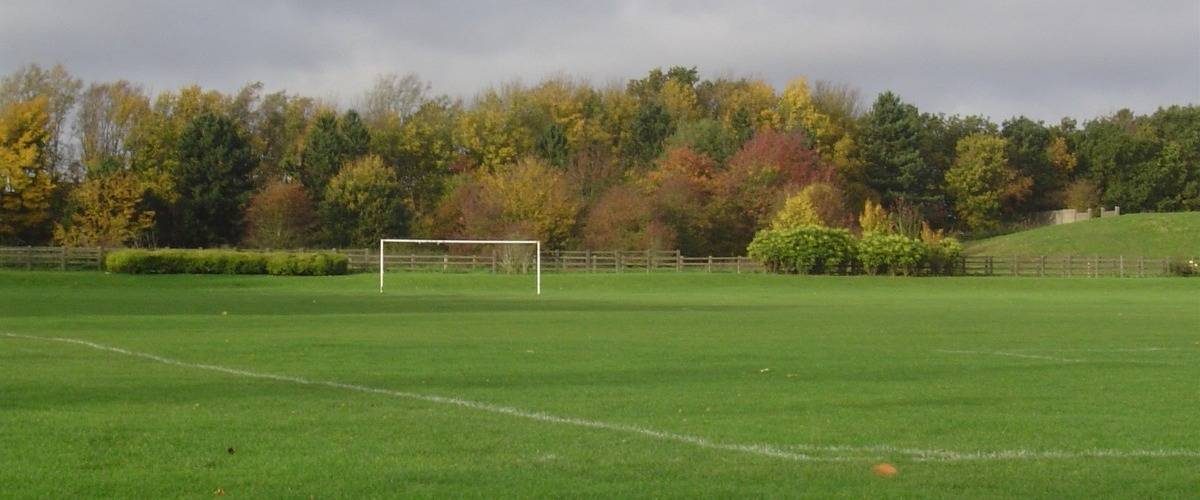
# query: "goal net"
{"points": [[504, 255]]}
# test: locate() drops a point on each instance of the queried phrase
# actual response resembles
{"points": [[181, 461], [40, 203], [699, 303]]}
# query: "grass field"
{"points": [[608, 385], [1146, 235]]}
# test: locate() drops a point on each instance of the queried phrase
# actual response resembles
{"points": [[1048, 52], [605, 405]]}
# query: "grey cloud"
{"points": [[1042, 59]]}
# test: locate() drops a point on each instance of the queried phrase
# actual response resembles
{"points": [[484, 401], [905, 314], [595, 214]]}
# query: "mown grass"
{"points": [[850, 371], [1132, 235]]}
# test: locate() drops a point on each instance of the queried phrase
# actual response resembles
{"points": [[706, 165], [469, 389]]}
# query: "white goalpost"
{"points": [[537, 252]]}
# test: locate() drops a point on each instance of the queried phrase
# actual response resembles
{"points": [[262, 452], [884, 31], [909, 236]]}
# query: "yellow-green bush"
{"points": [[804, 250], [892, 253]]}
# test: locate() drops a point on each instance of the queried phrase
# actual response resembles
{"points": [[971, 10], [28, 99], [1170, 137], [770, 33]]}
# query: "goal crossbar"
{"points": [[536, 244]]}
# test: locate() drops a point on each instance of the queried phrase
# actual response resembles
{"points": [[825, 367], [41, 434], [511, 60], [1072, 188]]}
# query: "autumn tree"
{"points": [[527, 200], [681, 189], [982, 181], [874, 219], [490, 132], [363, 204], [108, 114], [61, 91], [281, 215], [107, 211], [25, 178], [393, 97], [623, 218], [818, 204], [705, 136], [279, 133]]}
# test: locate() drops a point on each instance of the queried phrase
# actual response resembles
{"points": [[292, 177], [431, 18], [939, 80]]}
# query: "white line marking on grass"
{"points": [[755, 449], [922, 455], [1062, 360], [1013, 355], [1137, 349], [837, 453]]}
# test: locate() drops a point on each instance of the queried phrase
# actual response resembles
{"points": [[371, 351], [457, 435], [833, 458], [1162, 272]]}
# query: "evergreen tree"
{"points": [[213, 179], [891, 153], [324, 153]]}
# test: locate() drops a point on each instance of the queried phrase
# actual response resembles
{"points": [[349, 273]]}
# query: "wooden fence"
{"points": [[367, 260], [61, 258], [1069, 266]]}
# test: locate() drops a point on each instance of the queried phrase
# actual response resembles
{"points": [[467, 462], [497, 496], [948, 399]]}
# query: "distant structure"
{"points": [[1069, 215]]}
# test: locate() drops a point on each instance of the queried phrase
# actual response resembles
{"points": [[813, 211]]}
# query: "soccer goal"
{"points": [[537, 252]]}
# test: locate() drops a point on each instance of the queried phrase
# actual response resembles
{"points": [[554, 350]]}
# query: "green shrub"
{"points": [[892, 253], [944, 256], [307, 264], [804, 250], [225, 262]]}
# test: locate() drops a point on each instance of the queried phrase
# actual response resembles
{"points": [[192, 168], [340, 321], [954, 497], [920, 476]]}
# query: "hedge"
{"points": [[225, 262], [804, 250], [821, 250], [892, 253]]}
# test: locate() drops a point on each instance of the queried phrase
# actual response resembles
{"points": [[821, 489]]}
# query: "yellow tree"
{"points": [[108, 212], [489, 131], [680, 100], [750, 103], [25, 183], [796, 110], [528, 199], [874, 219], [818, 204]]}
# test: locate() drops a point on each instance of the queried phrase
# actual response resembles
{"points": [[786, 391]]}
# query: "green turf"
{"points": [[1145, 235], [850, 371]]}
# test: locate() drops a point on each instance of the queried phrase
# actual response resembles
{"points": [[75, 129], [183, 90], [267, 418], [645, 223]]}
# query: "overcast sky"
{"points": [[1044, 59]]}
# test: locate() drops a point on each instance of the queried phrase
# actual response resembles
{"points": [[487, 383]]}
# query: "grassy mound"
{"points": [[1149, 235]]}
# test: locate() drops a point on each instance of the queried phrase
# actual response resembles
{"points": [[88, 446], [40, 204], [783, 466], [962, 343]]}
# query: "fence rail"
{"points": [[61, 258], [653, 261], [1069, 266], [566, 261]]}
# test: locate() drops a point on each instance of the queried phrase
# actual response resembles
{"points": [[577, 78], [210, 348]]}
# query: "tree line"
{"points": [[668, 161]]}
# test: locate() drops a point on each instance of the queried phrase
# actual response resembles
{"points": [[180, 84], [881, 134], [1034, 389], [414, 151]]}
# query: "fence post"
{"points": [[100, 258], [710, 263], [678, 261], [62, 263], [1095, 266], [1042, 265], [29, 258], [617, 264], [738, 264], [1016, 267]]}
